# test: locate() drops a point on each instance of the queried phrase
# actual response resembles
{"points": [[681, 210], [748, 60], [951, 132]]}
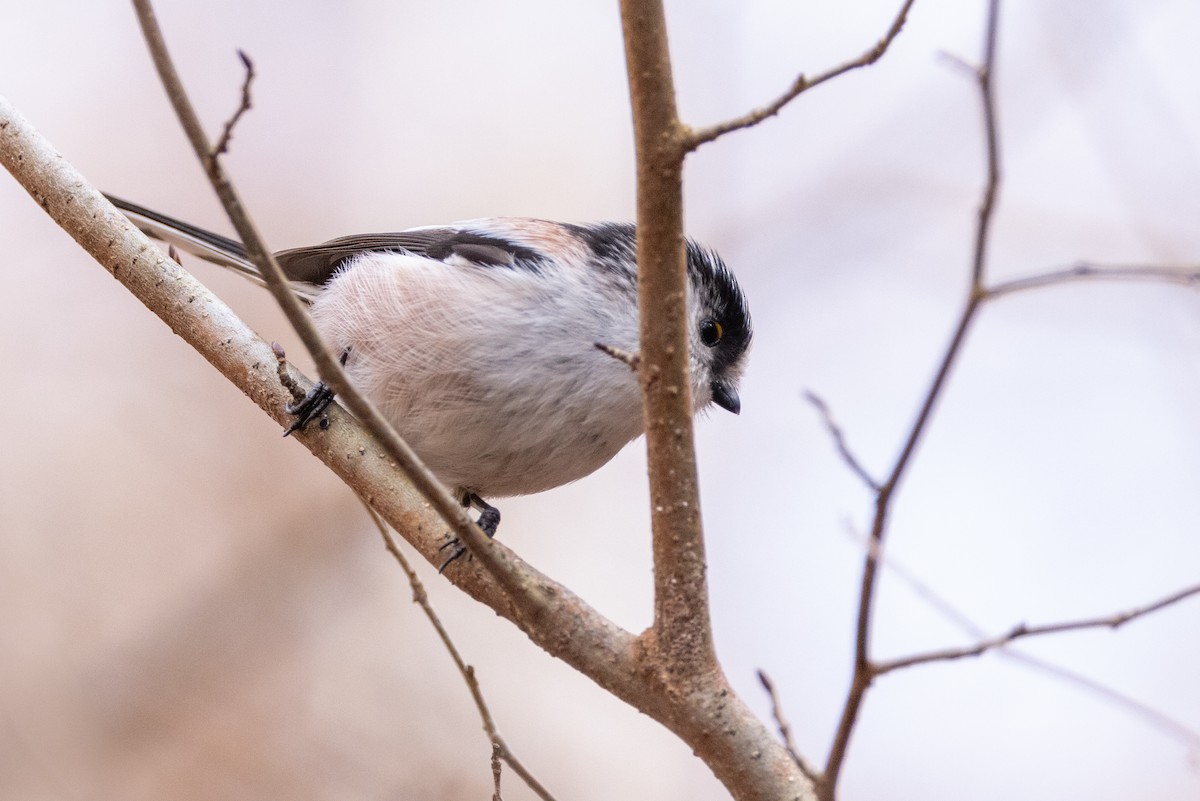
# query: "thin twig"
{"points": [[700, 136], [222, 145], [1165, 724], [839, 440], [785, 731], [1188, 276], [331, 371], [1022, 631], [500, 748], [1148, 714], [630, 360], [860, 680], [991, 131]]}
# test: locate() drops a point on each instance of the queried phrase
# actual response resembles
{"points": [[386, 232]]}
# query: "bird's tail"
{"points": [[200, 243]]}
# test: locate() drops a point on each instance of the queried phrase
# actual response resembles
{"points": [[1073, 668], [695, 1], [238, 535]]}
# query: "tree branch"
{"points": [[500, 749], [682, 631], [1187, 276], [1022, 631], [839, 441], [708, 716], [677, 651], [561, 623], [700, 136], [785, 731], [328, 366], [222, 145], [863, 672], [1162, 722]]}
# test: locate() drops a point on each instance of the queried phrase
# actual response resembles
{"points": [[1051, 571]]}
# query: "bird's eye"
{"points": [[711, 332]]}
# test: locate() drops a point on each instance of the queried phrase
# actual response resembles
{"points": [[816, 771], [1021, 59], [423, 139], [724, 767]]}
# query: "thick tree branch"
{"points": [[682, 630], [677, 651]]}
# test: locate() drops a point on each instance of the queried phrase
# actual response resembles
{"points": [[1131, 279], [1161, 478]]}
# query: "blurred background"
{"points": [[192, 608]]}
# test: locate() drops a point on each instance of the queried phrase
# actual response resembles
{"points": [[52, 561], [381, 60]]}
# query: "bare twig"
{"points": [[863, 672], [331, 371], [700, 136], [1164, 723], [839, 440], [1022, 631], [1188, 276], [630, 360], [222, 145], [785, 731], [500, 749], [991, 130]]}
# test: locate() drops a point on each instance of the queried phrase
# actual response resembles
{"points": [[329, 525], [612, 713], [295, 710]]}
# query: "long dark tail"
{"points": [[200, 243]]}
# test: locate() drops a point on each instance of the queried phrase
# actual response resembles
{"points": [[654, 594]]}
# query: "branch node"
{"points": [[285, 377]]}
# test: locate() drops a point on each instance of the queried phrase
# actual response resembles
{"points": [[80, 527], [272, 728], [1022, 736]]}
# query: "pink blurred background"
{"points": [[193, 608]]}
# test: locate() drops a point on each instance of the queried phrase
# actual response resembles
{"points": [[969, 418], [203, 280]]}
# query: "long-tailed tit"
{"points": [[477, 340]]}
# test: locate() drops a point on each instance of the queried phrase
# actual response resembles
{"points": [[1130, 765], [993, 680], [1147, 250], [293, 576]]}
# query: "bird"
{"points": [[488, 344]]}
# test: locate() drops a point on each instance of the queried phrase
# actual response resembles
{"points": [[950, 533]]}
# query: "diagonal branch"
{"points": [[500, 749], [561, 623], [839, 440], [700, 136], [329, 367], [1022, 631], [785, 731]]}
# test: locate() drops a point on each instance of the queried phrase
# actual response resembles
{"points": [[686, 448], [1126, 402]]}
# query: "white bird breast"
{"points": [[490, 373]]}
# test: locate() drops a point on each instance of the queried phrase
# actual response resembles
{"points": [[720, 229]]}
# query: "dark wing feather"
{"points": [[318, 263], [311, 267]]}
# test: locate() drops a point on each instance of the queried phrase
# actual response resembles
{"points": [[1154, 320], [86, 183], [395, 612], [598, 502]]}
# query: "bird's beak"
{"points": [[726, 397]]}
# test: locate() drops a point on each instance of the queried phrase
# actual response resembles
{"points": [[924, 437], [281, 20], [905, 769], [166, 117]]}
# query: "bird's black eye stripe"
{"points": [[711, 332]]}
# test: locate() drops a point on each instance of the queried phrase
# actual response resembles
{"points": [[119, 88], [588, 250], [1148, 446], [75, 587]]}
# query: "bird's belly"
{"points": [[498, 454]]}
